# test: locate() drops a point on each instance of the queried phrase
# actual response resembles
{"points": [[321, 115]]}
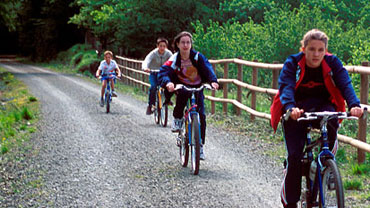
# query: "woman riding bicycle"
{"points": [[312, 80], [153, 61], [190, 68], [106, 69]]}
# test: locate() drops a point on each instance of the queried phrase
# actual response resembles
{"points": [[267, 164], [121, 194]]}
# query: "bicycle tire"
{"points": [[164, 110], [332, 186], [107, 102], [184, 150], [195, 146], [157, 111]]}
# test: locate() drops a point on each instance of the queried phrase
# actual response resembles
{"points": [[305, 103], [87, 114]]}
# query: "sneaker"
{"points": [[149, 110], [101, 102], [114, 94], [202, 156], [176, 125]]}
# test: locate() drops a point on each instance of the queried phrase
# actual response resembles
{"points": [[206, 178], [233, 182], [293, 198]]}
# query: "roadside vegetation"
{"points": [[19, 112]]}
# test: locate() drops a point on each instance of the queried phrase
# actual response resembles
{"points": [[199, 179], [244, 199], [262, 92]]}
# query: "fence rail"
{"points": [[131, 71]]}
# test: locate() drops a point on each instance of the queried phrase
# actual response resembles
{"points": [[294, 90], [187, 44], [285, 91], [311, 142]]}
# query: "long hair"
{"points": [[179, 36]]}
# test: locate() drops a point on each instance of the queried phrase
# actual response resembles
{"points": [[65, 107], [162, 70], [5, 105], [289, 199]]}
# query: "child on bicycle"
{"points": [[153, 61], [106, 70], [190, 68], [312, 80]]}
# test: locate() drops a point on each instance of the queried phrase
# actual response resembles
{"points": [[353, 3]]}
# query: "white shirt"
{"points": [[108, 69]]}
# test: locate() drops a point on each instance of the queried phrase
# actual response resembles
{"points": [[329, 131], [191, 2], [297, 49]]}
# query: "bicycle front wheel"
{"points": [[332, 186], [195, 144], [107, 102], [164, 110]]}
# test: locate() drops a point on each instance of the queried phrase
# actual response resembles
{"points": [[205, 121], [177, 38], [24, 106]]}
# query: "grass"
{"points": [[18, 110]]}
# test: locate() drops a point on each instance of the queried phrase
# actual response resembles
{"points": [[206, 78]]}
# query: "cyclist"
{"points": [[107, 68], [312, 80], [154, 60], [190, 68]]}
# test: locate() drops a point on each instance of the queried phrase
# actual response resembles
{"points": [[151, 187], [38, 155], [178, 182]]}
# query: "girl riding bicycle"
{"points": [[106, 70], [190, 68], [312, 80]]}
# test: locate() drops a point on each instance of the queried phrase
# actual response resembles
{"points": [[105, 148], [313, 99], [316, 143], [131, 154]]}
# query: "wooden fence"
{"points": [[134, 76]]}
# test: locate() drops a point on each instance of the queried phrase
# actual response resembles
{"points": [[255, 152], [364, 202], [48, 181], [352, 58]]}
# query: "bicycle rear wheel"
{"points": [[332, 186], [195, 144], [164, 110]]}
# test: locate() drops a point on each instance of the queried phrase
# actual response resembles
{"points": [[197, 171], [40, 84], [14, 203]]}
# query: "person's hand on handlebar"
{"points": [[356, 111], [147, 70], [296, 113], [170, 87], [215, 85]]}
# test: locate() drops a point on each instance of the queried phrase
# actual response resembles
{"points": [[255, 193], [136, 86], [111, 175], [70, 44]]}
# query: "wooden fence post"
{"points": [[275, 78], [239, 91], [213, 105], [125, 70], [254, 83], [364, 96], [226, 75]]}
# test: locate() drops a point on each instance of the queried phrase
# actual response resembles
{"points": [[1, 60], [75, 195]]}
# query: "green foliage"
{"points": [[361, 169], [32, 99], [26, 113], [341, 156], [354, 184], [9, 13], [16, 112]]}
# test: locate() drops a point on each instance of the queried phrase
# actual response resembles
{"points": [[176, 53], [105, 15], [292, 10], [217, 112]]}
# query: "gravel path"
{"points": [[87, 158]]}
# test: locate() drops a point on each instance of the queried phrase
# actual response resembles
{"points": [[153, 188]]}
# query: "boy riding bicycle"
{"points": [[190, 68], [106, 70], [312, 80], [153, 61]]}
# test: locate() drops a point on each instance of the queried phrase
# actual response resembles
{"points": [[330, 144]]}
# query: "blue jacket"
{"points": [[336, 80], [168, 71]]}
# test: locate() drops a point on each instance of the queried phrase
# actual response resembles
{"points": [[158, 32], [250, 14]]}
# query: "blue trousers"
{"points": [[153, 86], [295, 137]]}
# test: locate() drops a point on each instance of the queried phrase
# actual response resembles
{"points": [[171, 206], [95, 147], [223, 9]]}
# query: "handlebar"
{"points": [[154, 70], [110, 77], [190, 89], [325, 115]]}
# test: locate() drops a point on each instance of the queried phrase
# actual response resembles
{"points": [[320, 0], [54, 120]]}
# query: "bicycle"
{"points": [[319, 168], [160, 109], [189, 136], [108, 91]]}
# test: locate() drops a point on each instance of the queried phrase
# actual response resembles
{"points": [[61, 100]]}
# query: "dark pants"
{"points": [[181, 101], [153, 87], [295, 138]]}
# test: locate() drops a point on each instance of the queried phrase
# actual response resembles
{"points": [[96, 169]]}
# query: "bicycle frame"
{"points": [[324, 154], [185, 139], [191, 109], [108, 91]]}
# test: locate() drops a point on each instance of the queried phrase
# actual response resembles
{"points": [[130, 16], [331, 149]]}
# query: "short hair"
{"points": [[162, 40], [179, 36], [314, 34], [108, 52]]}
